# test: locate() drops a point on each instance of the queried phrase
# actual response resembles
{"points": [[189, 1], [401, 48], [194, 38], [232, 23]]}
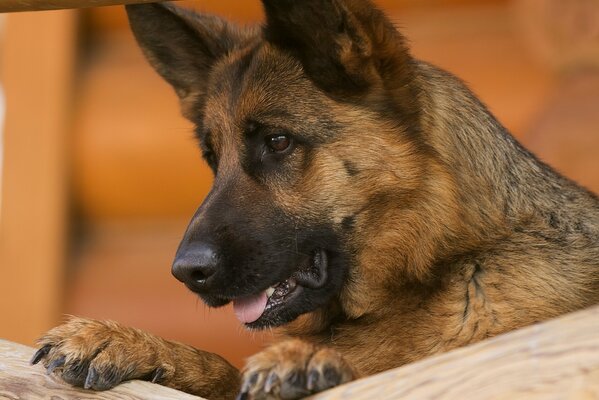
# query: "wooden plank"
{"points": [[558, 359], [39, 5], [36, 62], [19, 380], [555, 359]]}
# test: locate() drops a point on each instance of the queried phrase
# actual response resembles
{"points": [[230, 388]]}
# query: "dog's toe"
{"points": [[99, 355], [292, 370], [293, 385], [75, 372], [327, 369], [104, 379]]}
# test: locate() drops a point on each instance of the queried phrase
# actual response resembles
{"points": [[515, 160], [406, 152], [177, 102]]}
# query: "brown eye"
{"points": [[278, 143]]}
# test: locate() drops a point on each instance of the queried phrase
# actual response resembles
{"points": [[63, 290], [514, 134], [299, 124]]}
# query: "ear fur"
{"points": [[342, 43], [349, 48], [183, 45]]}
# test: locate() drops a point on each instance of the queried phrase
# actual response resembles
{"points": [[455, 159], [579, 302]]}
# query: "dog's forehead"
{"points": [[259, 84]]}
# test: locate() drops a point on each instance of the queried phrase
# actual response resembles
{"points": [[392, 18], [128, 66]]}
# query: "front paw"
{"points": [[293, 369], [101, 354]]}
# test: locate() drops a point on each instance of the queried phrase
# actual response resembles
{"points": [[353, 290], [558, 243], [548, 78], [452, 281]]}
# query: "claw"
{"points": [[312, 381], [157, 375], [59, 362], [295, 378], [331, 376], [41, 353], [92, 377], [246, 386], [293, 385], [271, 379], [250, 382], [242, 396]]}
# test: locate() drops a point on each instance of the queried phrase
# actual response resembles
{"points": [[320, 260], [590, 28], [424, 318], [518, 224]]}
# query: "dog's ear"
{"points": [[345, 46], [183, 46]]}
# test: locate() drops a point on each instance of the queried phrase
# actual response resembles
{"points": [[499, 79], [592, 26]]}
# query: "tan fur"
{"points": [[107, 348], [454, 232]]}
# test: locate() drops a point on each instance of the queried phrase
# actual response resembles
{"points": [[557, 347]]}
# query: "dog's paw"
{"points": [[293, 369], [101, 354]]}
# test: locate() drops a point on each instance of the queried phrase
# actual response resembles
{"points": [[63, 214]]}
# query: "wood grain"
{"points": [[21, 381], [38, 5], [558, 359]]}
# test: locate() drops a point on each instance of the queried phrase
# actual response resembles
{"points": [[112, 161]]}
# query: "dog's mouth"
{"points": [[263, 308]]}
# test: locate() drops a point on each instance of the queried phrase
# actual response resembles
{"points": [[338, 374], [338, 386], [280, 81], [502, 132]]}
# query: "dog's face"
{"points": [[308, 139], [274, 247]]}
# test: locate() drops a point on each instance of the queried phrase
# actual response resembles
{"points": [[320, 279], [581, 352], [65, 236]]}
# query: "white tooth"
{"points": [[270, 291]]}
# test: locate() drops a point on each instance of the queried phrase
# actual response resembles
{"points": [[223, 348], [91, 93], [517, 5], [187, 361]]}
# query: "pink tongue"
{"points": [[248, 309]]}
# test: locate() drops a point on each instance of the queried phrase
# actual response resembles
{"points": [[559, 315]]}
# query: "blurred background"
{"points": [[100, 173]]}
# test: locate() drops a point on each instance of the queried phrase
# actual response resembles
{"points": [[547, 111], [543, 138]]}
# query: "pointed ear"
{"points": [[183, 46], [345, 46]]}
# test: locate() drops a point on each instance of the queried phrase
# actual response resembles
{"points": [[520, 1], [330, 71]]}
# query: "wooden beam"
{"points": [[36, 65], [19, 380], [558, 359], [39, 5], [554, 359]]}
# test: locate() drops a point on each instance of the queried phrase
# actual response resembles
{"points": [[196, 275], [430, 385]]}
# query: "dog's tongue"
{"points": [[250, 308]]}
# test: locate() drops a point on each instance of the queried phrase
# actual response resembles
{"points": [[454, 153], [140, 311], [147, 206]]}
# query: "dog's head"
{"points": [[311, 126]]}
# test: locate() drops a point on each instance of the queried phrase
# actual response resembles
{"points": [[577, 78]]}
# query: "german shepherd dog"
{"points": [[364, 202]]}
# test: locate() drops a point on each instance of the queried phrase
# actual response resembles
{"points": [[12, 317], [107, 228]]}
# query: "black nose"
{"points": [[196, 264]]}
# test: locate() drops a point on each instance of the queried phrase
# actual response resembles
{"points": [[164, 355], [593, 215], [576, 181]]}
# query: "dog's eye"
{"points": [[277, 143]]}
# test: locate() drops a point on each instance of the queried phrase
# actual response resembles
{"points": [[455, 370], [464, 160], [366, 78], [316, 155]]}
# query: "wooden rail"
{"points": [[558, 359], [554, 359], [21, 381], [39, 5]]}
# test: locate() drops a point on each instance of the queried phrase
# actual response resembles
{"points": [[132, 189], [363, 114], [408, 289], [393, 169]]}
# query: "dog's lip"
{"points": [[316, 275], [313, 277], [269, 315]]}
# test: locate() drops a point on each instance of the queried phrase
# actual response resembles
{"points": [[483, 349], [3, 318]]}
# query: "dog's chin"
{"points": [[214, 301], [305, 290]]}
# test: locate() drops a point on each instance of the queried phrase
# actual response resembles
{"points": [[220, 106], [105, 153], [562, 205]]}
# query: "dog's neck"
{"points": [[477, 194], [488, 164], [481, 187]]}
